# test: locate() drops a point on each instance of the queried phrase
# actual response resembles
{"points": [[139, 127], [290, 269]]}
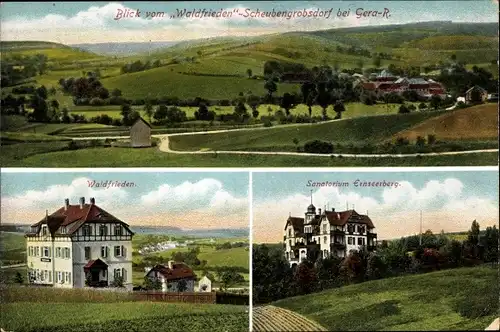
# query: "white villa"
{"points": [[327, 233], [79, 246]]}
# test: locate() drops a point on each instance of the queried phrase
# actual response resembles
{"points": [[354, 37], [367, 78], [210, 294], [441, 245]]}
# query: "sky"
{"points": [[205, 200], [449, 200], [95, 22]]}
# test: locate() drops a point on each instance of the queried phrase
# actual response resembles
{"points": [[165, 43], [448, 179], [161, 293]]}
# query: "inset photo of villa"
{"points": [[140, 251], [373, 251]]}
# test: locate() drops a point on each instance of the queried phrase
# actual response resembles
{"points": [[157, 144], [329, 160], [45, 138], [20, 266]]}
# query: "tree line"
{"points": [[273, 278]]}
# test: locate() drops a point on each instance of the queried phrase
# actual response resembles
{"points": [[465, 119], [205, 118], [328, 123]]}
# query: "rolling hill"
{"points": [[477, 122], [456, 299]]}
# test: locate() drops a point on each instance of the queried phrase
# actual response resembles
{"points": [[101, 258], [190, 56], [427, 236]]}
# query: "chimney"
{"points": [[66, 204], [333, 209], [82, 202], [171, 265], [319, 212], [92, 200]]}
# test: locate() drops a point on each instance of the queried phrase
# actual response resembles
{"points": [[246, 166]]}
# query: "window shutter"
{"points": [[124, 274], [123, 251]]}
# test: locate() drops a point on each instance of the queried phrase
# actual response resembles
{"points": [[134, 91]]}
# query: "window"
{"points": [[324, 228], [50, 276], [325, 253], [69, 277], [103, 230], [361, 229], [287, 255], [360, 241], [350, 228], [290, 243], [87, 252], [290, 232], [118, 230], [104, 251], [119, 251], [37, 251], [63, 229], [46, 252], [44, 230], [350, 240], [59, 276], [58, 252], [42, 275], [324, 240], [124, 275], [67, 253], [30, 251], [86, 230], [117, 273]]}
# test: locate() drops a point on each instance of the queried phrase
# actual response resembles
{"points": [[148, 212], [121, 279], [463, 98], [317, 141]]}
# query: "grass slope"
{"points": [[358, 130], [423, 302], [12, 248], [477, 122], [120, 157]]}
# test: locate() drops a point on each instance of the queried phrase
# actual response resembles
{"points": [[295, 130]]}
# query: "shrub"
{"points": [[422, 106], [403, 109], [72, 145], [318, 146], [401, 141], [431, 139], [420, 141]]}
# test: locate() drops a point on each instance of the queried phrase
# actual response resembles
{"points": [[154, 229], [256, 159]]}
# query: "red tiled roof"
{"points": [[297, 223], [178, 271], [369, 85], [341, 218], [76, 216]]}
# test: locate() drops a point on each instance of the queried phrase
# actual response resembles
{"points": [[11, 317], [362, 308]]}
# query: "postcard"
{"points": [[168, 249], [375, 251], [249, 84]]}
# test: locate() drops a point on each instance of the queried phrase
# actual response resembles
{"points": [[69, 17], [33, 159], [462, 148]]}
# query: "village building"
{"points": [[476, 94], [327, 233], [205, 285], [79, 246], [385, 82], [140, 134], [174, 277]]}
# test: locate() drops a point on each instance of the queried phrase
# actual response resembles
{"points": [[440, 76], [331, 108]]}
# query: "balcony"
{"points": [[337, 245], [372, 235], [337, 232]]}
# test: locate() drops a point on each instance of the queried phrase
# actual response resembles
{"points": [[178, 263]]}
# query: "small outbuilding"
{"points": [[476, 94], [140, 134]]}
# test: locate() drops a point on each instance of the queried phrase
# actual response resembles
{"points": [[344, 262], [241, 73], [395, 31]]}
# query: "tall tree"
{"points": [[148, 109], [287, 102], [473, 234], [249, 72], [271, 87]]}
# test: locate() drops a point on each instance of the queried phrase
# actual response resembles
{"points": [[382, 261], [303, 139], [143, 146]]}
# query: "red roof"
{"points": [[369, 85], [178, 271], [341, 218], [76, 216]]}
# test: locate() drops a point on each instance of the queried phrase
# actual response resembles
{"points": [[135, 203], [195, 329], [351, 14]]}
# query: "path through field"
{"points": [[165, 146], [273, 319]]}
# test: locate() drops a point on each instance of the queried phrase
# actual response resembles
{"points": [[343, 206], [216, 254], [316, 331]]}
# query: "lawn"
{"points": [[358, 130], [123, 316], [457, 299], [124, 157]]}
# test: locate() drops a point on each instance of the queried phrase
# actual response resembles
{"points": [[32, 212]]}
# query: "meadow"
{"points": [[456, 299], [27, 310]]}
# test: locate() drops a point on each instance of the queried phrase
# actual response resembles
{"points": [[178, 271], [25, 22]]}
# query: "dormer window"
{"points": [[63, 229], [44, 230], [290, 232], [86, 230]]}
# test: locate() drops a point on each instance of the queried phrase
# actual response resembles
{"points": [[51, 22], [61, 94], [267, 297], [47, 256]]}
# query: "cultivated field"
{"points": [[270, 318], [78, 310], [474, 123], [456, 299]]}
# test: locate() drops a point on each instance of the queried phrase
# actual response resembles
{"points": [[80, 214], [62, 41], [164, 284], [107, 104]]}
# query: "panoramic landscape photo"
{"points": [[375, 251], [257, 84], [124, 252]]}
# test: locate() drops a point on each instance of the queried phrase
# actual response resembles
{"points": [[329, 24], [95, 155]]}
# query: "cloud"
{"points": [[179, 205], [98, 24], [396, 212]]}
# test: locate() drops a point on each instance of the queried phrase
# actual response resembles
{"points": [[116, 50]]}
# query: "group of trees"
{"points": [[17, 68], [140, 66], [273, 278], [229, 245], [458, 79]]}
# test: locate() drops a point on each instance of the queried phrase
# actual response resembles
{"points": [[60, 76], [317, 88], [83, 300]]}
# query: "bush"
{"points": [[403, 109], [72, 145], [422, 106], [318, 146], [401, 141], [420, 141], [431, 139]]}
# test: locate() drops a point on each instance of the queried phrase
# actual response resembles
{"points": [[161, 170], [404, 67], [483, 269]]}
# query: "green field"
{"points": [[111, 312], [359, 130], [12, 248], [457, 299], [115, 157]]}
